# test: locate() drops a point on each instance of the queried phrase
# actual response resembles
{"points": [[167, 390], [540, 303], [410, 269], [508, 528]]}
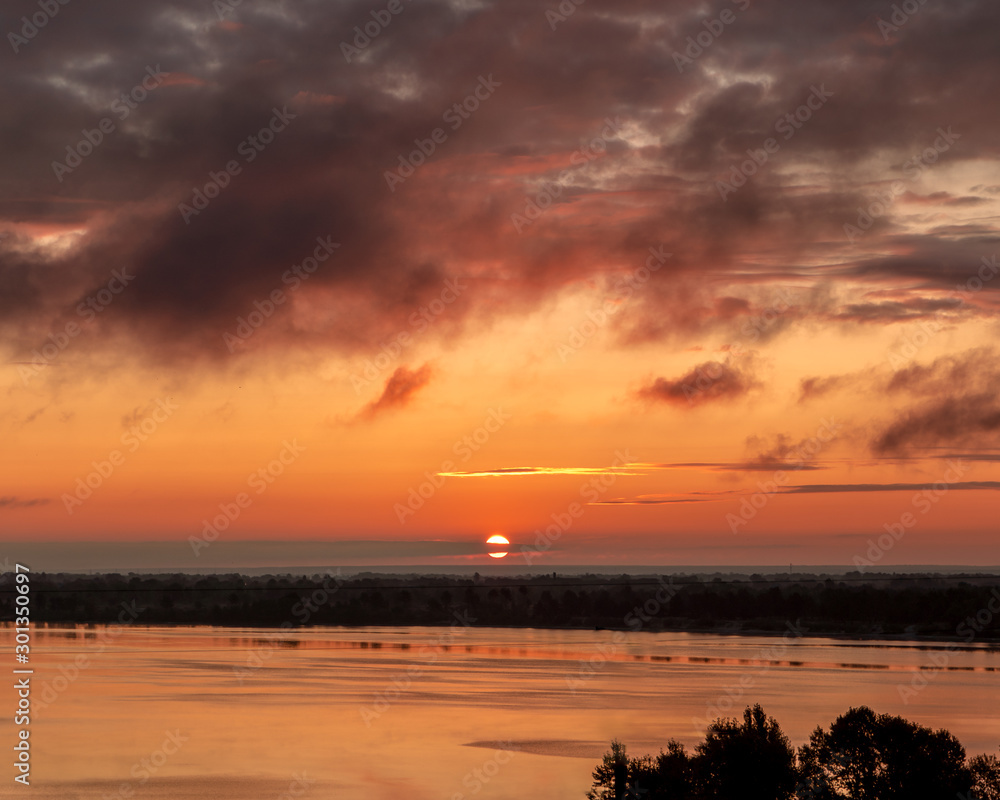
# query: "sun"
{"points": [[498, 539]]}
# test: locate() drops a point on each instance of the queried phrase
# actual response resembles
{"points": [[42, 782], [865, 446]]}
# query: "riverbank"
{"points": [[921, 608]]}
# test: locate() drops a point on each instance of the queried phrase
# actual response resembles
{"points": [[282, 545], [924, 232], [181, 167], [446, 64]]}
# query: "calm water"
{"points": [[435, 712]]}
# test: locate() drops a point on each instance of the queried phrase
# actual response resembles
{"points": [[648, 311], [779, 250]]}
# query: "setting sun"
{"points": [[498, 539]]}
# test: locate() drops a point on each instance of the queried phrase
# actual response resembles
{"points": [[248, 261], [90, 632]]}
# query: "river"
{"points": [[446, 713]]}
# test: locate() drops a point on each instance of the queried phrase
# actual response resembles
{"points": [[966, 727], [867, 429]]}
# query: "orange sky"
{"points": [[577, 276]]}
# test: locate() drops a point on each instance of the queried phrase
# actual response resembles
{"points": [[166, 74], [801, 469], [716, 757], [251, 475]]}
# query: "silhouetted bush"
{"points": [[867, 755], [863, 756]]}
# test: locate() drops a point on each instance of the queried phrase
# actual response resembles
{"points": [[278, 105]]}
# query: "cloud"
{"points": [[506, 472], [652, 183], [973, 370], [916, 308], [649, 500], [984, 457], [782, 452], [399, 391], [952, 420], [707, 382], [960, 403], [818, 488], [887, 487], [952, 400], [17, 502], [638, 468], [816, 386], [259, 555], [735, 466]]}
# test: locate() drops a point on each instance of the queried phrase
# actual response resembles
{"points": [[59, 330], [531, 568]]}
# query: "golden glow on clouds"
{"points": [[520, 471]]}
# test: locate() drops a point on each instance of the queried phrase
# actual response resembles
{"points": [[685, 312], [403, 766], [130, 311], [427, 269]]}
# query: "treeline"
{"points": [[862, 756], [853, 605]]}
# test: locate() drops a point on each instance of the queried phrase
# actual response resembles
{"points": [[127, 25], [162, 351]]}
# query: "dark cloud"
{"points": [[784, 453], [913, 309], [652, 182], [643, 500], [960, 403], [811, 388], [973, 486], [19, 502], [952, 400], [965, 419], [817, 488], [739, 466], [258, 555], [707, 382], [400, 389], [974, 370], [984, 457]]}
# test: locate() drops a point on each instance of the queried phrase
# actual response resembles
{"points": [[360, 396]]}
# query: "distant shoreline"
{"points": [[916, 608]]}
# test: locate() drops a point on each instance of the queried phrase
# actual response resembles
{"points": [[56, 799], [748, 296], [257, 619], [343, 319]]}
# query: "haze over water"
{"points": [[261, 709]]}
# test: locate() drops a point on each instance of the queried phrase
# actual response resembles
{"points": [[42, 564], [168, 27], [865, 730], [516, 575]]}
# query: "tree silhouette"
{"points": [[669, 776], [869, 756], [864, 756], [986, 777], [611, 776], [752, 760], [674, 773]]}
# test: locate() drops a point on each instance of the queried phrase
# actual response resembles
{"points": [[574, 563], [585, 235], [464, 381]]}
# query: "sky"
{"points": [[622, 282]]}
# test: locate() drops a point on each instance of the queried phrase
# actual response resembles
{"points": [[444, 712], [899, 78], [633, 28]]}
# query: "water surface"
{"points": [[368, 713]]}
